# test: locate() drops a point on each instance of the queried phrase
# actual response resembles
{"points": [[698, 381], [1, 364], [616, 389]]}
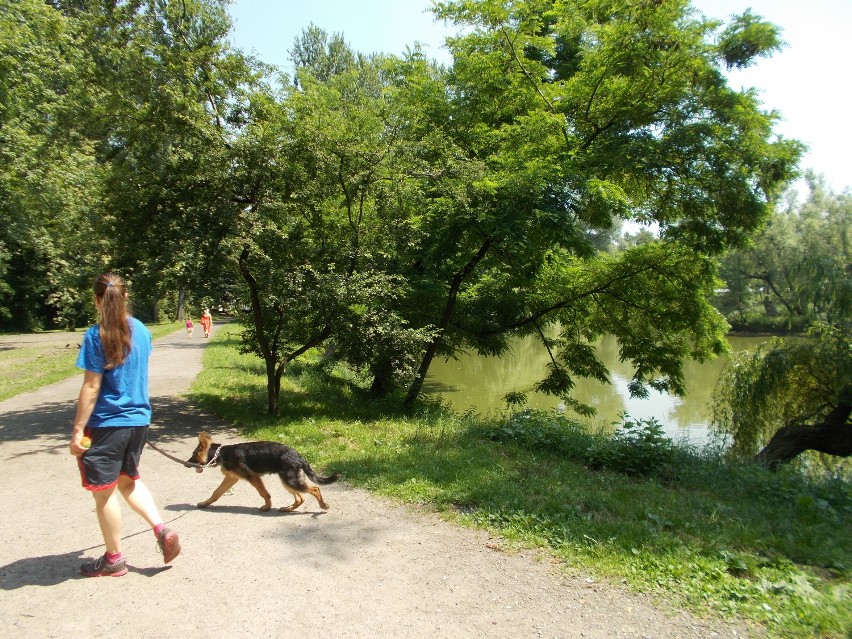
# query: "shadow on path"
{"points": [[52, 570]]}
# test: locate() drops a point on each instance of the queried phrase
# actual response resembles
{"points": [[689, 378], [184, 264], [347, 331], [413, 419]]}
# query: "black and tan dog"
{"points": [[251, 460]]}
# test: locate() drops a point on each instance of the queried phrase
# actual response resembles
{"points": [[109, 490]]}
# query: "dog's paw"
{"points": [[202, 504], [264, 508]]}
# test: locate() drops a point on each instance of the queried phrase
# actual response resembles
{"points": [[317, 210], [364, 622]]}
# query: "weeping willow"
{"points": [[795, 390]]}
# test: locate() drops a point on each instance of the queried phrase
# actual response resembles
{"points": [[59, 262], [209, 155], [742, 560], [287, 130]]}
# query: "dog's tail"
{"points": [[319, 479]]}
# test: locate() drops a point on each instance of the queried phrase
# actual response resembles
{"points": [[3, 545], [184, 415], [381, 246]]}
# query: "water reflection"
{"points": [[481, 383]]}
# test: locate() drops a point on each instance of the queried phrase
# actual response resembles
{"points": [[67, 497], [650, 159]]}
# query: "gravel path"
{"points": [[366, 568]]}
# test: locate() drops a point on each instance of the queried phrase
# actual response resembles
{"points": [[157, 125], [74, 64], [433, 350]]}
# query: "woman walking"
{"points": [[111, 424], [206, 322]]}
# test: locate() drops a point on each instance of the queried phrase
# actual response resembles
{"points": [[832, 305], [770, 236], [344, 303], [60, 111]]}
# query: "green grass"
{"points": [[717, 538], [31, 367]]}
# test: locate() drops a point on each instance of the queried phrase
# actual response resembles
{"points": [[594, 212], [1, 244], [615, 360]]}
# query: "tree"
{"points": [[787, 397], [321, 56], [315, 165], [116, 122], [163, 100], [570, 117], [798, 263], [47, 182]]}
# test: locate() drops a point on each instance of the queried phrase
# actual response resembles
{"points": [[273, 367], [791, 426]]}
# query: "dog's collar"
{"points": [[212, 462]]}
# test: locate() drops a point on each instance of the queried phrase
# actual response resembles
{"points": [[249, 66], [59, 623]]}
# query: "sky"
{"points": [[809, 83]]}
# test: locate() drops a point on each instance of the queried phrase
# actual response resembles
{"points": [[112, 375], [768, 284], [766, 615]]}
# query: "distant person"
{"points": [[113, 414], [206, 322], [189, 327]]}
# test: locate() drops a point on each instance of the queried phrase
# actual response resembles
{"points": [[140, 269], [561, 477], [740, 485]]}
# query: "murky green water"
{"points": [[481, 383]]}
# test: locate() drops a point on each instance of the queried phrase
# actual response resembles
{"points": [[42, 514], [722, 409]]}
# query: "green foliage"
{"points": [[537, 429], [652, 294], [579, 115], [112, 122], [162, 88], [794, 271], [747, 38], [319, 56], [316, 241], [46, 185], [637, 447], [389, 206]]}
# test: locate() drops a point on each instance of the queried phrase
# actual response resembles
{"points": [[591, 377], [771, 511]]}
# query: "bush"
{"points": [[533, 429], [638, 447]]}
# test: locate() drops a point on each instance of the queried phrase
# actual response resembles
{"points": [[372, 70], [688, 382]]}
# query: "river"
{"points": [[481, 383]]}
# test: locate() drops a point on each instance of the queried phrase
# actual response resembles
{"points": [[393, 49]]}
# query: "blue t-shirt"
{"points": [[123, 398]]}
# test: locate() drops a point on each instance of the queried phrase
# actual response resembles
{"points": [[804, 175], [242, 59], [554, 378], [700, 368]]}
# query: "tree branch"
{"points": [[833, 437]]}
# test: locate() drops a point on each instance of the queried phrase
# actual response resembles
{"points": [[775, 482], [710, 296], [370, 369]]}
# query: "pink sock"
{"points": [[157, 529], [112, 557]]}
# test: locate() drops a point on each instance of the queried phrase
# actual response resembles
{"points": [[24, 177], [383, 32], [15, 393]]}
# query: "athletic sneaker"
{"points": [[169, 544], [100, 567]]}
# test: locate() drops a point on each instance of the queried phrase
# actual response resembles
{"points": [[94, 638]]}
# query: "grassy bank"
{"points": [[38, 364], [712, 537]]}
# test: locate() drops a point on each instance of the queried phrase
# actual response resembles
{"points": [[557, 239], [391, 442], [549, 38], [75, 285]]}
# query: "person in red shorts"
{"points": [[114, 412]]}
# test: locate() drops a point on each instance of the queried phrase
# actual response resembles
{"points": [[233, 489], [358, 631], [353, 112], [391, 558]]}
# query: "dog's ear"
{"points": [[204, 438]]}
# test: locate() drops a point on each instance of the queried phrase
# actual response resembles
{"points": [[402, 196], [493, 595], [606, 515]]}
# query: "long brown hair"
{"points": [[111, 293]]}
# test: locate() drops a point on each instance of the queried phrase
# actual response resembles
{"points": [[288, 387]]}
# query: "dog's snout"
{"points": [[195, 457]]}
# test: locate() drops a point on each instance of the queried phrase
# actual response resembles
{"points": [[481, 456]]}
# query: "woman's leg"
{"points": [[139, 498], [109, 518], [137, 495]]}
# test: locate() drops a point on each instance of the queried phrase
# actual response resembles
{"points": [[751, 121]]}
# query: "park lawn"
{"points": [[31, 367], [715, 537]]}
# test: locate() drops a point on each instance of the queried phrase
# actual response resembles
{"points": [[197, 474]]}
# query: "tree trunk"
{"points": [[833, 436], [425, 363], [272, 379], [444, 322], [273, 388], [382, 380], [181, 302]]}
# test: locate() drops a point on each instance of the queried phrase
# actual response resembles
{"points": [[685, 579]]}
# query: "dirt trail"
{"points": [[366, 568]]}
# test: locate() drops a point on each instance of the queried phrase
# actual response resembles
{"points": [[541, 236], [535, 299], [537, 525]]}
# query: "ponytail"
{"points": [[111, 292]]}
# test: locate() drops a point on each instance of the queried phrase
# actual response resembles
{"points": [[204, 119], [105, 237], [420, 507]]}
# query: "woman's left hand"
{"points": [[75, 447]]}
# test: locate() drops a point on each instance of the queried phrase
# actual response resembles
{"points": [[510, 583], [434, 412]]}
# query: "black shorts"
{"points": [[114, 452]]}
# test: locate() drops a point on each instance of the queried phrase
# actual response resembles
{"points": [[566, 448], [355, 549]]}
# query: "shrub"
{"points": [[534, 429], [638, 447]]}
